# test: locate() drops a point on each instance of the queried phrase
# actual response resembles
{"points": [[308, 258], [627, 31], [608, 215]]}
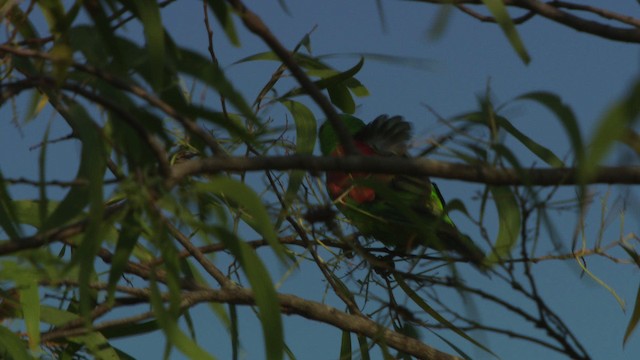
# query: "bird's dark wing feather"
{"points": [[386, 135]]}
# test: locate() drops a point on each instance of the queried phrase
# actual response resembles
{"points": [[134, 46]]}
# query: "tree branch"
{"points": [[551, 10], [387, 165]]}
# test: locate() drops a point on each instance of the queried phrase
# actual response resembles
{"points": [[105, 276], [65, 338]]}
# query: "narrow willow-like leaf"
{"points": [[105, 35], [30, 304], [8, 216], [92, 168], [265, 294], [54, 14], [540, 151], [452, 345], [250, 204], [129, 233], [303, 60], [175, 336], [610, 129], [601, 283], [267, 301], [234, 329], [306, 128], [509, 223], [223, 13], [11, 345], [364, 347], [565, 115], [345, 346], [42, 189], [331, 81], [94, 342], [441, 22], [202, 69], [341, 98], [434, 314], [500, 13], [19, 21], [633, 322]]}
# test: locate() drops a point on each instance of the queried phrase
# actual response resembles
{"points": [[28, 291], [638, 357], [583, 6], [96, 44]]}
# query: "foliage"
{"points": [[171, 189]]}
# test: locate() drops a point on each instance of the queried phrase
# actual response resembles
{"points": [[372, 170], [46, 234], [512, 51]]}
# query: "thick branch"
{"points": [[480, 174]]}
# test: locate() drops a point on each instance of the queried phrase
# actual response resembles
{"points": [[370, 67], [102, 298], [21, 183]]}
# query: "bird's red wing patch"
{"points": [[340, 184]]}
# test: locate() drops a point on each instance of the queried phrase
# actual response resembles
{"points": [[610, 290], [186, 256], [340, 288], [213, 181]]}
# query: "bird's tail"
{"points": [[454, 240]]}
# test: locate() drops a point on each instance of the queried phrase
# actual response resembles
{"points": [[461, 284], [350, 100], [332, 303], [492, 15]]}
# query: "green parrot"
{"points": [[399, 210]]}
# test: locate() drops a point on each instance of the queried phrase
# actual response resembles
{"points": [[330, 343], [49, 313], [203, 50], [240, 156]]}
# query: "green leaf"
{"points": [[564, 114], [12, 346], [129, 233], [19, 21], [336, 82], [233, 329], [434, 314], [509, 226], [42, 189], [438, 27], [601, 283], [149, 12], [202, 69], [223, 13], [306, 128], [500, 13], [611, 127], [92, 168], [30, 304], [635, 317], [364, 347], [105, 35], [8, 216], [94, 342], [452, 345], [264, 292], [345, 346], [540, 151], [341, 97], [250, 205]]}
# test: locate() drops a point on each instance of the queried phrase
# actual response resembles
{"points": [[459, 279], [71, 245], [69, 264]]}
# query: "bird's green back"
{"points": [[329, 138]]}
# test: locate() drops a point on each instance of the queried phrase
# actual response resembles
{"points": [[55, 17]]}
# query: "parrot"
{"points": [[401, 211]]}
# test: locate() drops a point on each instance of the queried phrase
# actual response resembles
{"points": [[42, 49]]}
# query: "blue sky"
{"points": [[589, 74]]}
